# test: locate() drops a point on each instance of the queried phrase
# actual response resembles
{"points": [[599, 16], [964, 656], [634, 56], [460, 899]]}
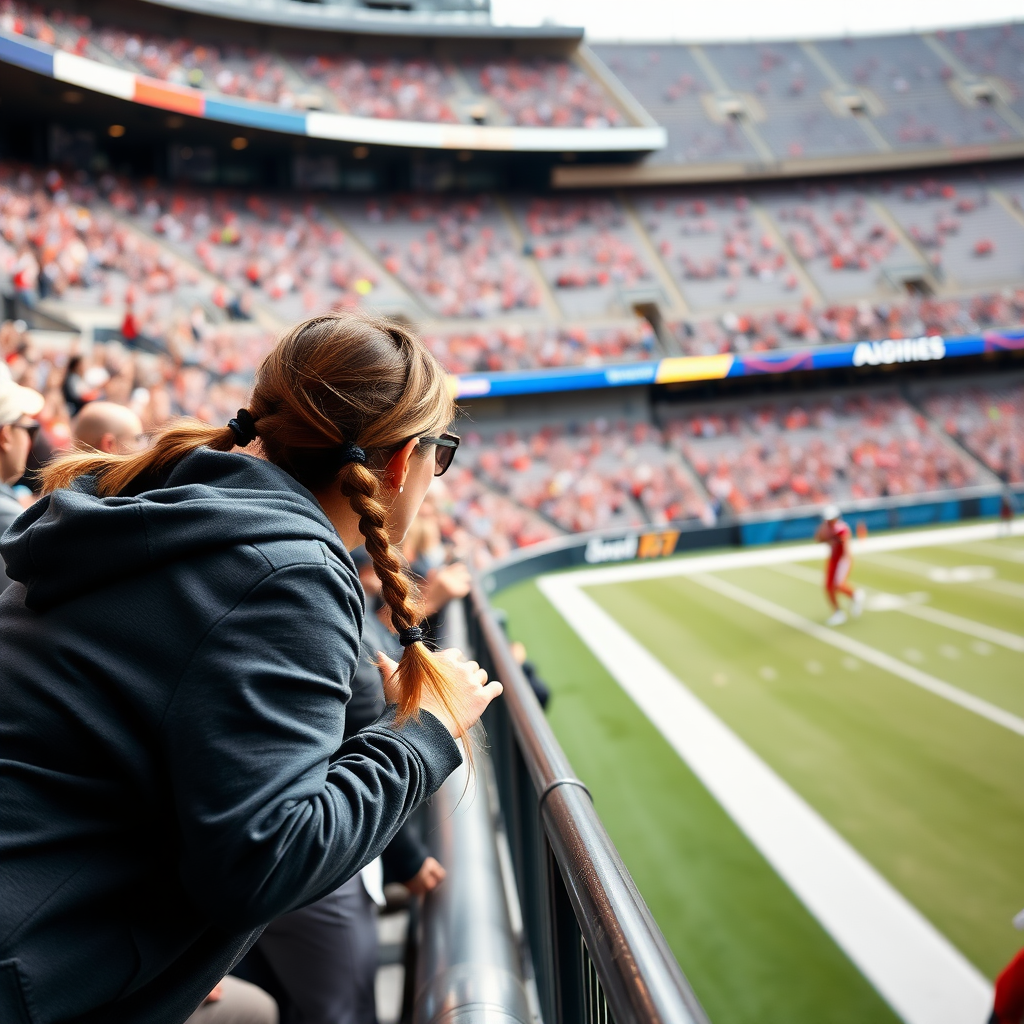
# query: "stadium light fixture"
{"points": [[239, 142], [115, 131]]}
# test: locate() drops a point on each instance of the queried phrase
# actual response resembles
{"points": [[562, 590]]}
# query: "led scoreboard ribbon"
{"points": [[676, 369]]}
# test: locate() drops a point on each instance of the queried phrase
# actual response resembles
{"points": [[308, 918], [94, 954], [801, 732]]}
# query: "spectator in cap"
{"points": [[107, 427], [18, 407]]}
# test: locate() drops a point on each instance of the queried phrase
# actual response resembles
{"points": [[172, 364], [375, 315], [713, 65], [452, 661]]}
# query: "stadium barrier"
{"points": [[468, 964], [678, 369], [597, 954], [650, 542]]}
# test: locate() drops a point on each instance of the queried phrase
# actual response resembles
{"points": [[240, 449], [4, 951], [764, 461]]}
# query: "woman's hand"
{"points": [[430, 875], [471, 691]]}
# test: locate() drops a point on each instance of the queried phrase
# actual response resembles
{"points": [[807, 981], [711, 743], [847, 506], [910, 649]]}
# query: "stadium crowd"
{"points": [[542, 92], [457, 255], [522, 348], [786, 454], [905, 317], [589, 475], [988, 422]]}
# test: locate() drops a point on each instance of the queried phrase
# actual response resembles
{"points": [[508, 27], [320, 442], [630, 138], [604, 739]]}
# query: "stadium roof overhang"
{"points": [[319, 17], [151, 92]]}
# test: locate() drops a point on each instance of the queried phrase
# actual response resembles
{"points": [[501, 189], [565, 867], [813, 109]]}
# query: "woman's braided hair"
{"points": [[342, 377]]}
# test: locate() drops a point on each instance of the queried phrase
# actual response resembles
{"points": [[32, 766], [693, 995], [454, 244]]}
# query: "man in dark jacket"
{"points": [[174, 669], [18, 406]]}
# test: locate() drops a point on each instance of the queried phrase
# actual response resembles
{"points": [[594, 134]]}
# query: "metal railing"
{"points": [[597, 955], [468, 965]]}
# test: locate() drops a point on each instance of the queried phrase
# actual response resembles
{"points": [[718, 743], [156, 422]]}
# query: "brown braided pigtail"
{"points": [[419, 669]]}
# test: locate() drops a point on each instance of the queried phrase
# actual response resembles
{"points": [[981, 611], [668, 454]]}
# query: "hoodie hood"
{"points": [[72, 542]]}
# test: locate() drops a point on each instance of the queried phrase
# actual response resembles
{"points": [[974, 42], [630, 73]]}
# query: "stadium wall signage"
{"points": [[634, 545], [691, 368], [153, 92], [906, 350]]}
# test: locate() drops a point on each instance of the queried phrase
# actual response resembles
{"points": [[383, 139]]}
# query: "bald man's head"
{"points": [[107, 427]]}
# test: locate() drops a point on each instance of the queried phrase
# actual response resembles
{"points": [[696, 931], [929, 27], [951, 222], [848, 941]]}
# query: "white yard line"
{"points": [[1011, 641], [748, 557], [914, 968], [872, 655], [1005, 553]]}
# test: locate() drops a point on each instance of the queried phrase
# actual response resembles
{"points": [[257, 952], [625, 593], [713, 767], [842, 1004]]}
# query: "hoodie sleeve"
{"points": [[268, 822]]}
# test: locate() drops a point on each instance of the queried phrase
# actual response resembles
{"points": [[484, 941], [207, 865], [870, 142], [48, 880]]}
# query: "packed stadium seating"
{"points": [[589, 475], [906, 317], [413, 90], [498, 348], [988, 421], [60, 243], [540, 91], [739, 260], [456, 255], [785, 454], [480, 524], [290, 256], [587, 250], [718, 249], [967, 236]]}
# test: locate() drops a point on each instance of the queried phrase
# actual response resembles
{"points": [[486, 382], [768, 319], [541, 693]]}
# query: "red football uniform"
{"points": [[837, 535]]}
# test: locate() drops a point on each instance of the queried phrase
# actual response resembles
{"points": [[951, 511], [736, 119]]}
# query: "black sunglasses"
{"points": [[30, 428], [444, 451]]}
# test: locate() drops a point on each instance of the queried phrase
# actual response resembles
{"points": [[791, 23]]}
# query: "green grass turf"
{"points": [[750, 949], [930, 793]]}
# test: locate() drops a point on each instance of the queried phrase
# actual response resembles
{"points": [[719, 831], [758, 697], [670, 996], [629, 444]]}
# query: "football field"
{"points": [[827, 823]]}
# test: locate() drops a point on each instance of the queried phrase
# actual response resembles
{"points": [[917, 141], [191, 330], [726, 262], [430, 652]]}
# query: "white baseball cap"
{"points": [[830, 512], [16, 401]]}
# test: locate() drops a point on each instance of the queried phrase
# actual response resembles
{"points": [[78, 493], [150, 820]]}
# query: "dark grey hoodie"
{"points": [[174, 669]]}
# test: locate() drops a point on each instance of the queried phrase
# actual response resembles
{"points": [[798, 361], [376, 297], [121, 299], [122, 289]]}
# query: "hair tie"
{"points": [[243, 426], [410, 636], [352, 453]]}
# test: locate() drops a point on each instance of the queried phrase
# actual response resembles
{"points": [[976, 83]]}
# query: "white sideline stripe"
{"points": [[884, 661], [1011, 641], [911, 965], [771, 555]]}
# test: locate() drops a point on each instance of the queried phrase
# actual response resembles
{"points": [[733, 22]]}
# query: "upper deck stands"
{"points": [[787, 91], [673, 87], [996, 50], [918, 107]]}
